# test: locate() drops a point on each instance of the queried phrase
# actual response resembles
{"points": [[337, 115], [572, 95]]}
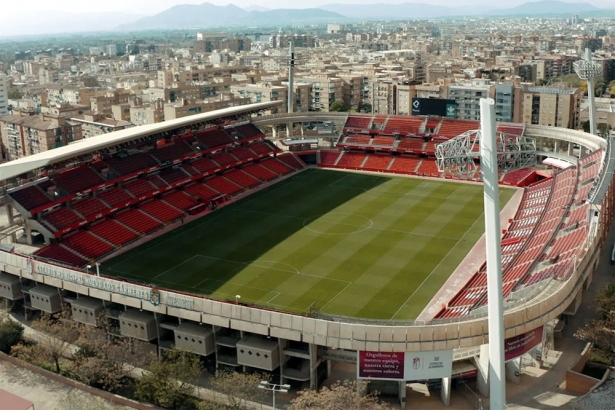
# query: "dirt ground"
{"points": [[47, 394]]}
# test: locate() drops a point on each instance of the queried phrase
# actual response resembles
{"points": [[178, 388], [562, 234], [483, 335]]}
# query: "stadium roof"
{"points": [[26, 164]]}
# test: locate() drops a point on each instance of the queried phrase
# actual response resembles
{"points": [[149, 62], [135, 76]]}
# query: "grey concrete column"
{"points": [[482, 365], [313, 366], [402, 394], [513, 370], [556, 146]]}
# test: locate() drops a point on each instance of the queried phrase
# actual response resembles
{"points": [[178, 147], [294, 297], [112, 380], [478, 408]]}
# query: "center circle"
{"points": [[338, 223]]}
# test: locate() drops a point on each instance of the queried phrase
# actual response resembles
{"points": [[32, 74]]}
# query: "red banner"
{"points": [[379, 365], [518, 345]]}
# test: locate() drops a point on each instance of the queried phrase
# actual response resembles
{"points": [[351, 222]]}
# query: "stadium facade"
{"points": [[301, 349]]}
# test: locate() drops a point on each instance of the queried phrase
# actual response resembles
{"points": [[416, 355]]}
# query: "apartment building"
{"points": [[184, 108], [326, 89], [351, 90], [299, 40], [468, 96], [208, 44], [95, 123], [4, 94], [23, 134], [552, 106], [605, 111], [262, 92], [148, 113]]}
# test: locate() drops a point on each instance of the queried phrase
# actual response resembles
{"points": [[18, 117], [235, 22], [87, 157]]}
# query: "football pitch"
{"points": [[352, 244]]}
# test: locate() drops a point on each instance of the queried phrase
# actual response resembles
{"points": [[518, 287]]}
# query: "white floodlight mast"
{"points": [[495, 307], [291, 75], [591, 93]]}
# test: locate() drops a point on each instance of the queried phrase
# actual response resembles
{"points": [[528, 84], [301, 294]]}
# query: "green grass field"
{"points": [[357, 245]]}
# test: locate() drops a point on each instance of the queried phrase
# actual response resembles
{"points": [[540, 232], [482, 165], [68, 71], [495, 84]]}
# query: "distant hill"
{"points": [[188, 15], [545, 7], [254, 7], [400, 11], [209, 15]]}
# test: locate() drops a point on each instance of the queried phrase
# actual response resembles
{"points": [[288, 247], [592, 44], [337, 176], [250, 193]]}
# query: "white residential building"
{"points": [[4, 94]]}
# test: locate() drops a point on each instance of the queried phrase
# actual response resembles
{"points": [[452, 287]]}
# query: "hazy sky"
{"points": [[155, 6]]}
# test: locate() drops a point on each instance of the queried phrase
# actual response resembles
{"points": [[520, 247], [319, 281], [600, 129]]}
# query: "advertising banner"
{"points": [[434, 106], [381, 365], [405, 366], [518, 345]]}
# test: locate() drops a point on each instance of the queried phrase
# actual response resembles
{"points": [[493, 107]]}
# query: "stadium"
{"points": [[212, 234]]}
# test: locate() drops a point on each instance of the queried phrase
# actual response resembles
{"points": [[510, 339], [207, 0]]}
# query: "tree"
{"points": [[14, 93], [341, 395], [604, 129], [339, 107], [55, 336], [168, 382], [601, 331], [104, 361], [11, 333], [239, 388]]}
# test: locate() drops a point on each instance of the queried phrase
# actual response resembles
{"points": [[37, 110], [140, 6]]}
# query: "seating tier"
{"points": [[171, 152], [90, 206], [260, 147], [87, 244], [292, 161], [115, 197], [132, 163], [248, 130], [223, 158], [260, 172], [378, 162], [203, 192], [179, 199], [78, 179], [62, 218], [351, 159], [223, 185], [172, 175], [161, 210], [404, 164], [114, 232], [214, 138], [30, 197], [242, 153], [276, 166], [139, 187], [57, 252], [204, 165], [242, 178], [139, 221]]}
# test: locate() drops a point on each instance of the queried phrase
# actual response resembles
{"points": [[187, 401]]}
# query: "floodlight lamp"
{"points": [[264, 383]]}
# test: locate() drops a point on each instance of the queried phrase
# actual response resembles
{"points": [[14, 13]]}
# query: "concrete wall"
{"points": [[576, 382]]}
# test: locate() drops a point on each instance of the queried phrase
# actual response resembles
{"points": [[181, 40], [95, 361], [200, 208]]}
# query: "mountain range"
{"points": [[209, 15]]}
